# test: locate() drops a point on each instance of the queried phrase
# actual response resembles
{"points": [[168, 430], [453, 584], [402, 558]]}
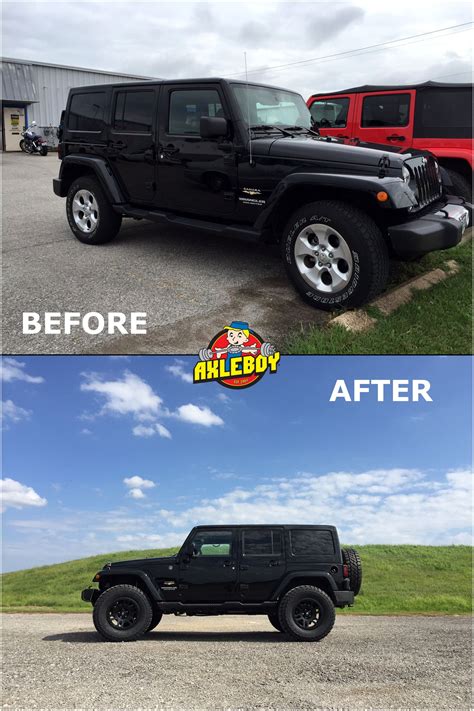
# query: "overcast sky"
{"points": [[180, 39]]}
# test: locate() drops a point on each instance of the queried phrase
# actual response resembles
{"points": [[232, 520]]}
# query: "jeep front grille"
{"points": [[427, 185]]}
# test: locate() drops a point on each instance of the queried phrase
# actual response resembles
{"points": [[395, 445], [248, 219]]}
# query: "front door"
{"points": [[13, 123], [131, 142], [334, 115], [210, 574], [385, 118], [196, 175], [261, 564]]}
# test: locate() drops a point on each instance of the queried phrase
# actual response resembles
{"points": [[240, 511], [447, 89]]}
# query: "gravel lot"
{"points": [[188, 282], [57, 662]]}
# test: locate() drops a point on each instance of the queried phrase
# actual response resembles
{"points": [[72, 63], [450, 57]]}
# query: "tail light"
{"points": [[345, 571]]}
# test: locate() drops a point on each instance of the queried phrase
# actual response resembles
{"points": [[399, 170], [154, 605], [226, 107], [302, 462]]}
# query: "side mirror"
{"points": [[213, 127]]}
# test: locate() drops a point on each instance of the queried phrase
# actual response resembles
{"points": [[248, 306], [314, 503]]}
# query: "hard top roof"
{"points": [[395, 87], [203, 80], [264, 525]]}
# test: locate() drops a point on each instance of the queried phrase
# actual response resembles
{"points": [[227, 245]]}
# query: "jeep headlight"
{"points": [[406, 174]]}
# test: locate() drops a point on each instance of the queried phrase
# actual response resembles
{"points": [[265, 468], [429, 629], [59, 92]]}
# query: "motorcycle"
{"points": [[32, 143]]}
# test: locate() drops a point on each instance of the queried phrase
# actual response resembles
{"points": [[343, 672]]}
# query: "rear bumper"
{"points": [[90, 595], [441, 229], [343, 598]]}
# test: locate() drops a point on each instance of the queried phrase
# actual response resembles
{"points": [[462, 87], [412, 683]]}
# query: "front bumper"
{"points": [[441, 229], [90, 595], [343, 598]]}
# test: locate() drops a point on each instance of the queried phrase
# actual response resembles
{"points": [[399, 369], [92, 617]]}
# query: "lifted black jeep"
{"points": [[243, 160], [297, 575]]}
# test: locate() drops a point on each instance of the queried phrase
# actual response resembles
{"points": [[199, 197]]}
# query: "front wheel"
{"points": [[44, 151], [335, 255], [89, 213], [306, 613], [155, 619], [461, 185], [122, 613], [22, 145]]}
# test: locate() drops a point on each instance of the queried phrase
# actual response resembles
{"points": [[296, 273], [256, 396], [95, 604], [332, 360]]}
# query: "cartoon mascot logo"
{"points": [[236, 357]]}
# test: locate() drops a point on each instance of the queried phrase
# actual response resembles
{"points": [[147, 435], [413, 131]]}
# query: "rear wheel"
{"points": [[122, 613], [335, 255], [306, 613], [274, 620], [351, 558], [461, 185], [89, 213]]}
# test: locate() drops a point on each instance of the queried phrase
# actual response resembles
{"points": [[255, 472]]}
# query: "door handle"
{"points": [[227, 563], [244, 567], [168, 151], [341, 135], [395, 137], [274, 563]]}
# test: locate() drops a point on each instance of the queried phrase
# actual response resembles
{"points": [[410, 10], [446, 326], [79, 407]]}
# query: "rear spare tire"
{"points": [[335, 255], [351, 558], [122, 614]]}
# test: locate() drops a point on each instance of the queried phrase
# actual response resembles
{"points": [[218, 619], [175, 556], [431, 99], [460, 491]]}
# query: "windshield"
{"points": [[271, 107]]}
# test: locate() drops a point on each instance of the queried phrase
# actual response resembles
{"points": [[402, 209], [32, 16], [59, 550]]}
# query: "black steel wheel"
{"points": [[122, 613]]}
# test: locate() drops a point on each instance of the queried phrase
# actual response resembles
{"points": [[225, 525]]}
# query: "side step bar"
{"points": [[171, 218]]}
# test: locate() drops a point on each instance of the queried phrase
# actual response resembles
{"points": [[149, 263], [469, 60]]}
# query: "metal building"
{"points": [[36, 91]]}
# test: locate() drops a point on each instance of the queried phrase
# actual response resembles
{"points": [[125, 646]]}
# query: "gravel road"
{"points": [[58, 662], [188, 282]]}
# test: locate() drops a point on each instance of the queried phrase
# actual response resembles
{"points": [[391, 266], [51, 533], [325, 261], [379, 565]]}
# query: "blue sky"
{"points": [[108, 453]]}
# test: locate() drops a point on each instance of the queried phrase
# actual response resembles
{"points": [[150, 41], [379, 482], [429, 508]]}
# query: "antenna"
{"points": [[248, 109]]}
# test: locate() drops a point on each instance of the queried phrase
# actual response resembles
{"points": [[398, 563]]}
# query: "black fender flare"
{"points": [[102, 171], [400, 195], [312, 575], [109, 575]]}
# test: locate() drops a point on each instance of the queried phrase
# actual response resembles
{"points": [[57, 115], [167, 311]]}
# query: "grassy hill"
{"points": [[397, 580]]}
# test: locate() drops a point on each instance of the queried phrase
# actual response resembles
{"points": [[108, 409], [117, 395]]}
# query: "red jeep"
{"points": [[431, 116]]}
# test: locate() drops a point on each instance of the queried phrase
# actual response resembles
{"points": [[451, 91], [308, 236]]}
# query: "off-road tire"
{"points": [[155, 619], [461, 185], [289, 603], [274, 620], [105, 602], [351, 558], [108, 223], [367, 245]]}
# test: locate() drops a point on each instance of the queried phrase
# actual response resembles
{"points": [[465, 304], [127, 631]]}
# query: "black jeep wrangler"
{"points": [[297, 575], [243, 160]]}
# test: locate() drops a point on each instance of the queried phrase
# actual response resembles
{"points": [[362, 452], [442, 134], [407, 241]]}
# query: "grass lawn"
{"points": [[396, 580], [435, 321]]}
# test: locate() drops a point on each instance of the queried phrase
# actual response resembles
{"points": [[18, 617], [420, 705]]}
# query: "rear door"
{"points": [[211, 574], [131, 144], [385, 118], [261, 562], [334, 115]]}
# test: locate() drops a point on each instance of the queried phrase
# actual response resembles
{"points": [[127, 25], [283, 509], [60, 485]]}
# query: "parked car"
{"points": [[431, 117], [243, 160], [296, 575]]}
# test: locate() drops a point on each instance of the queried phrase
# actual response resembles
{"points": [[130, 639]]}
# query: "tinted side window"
{"points": [[331, 113], [86, 112], [443, 113], [385, 110], [309, 542], [187, 107], [134, 111], [263, 542], [207, 543]]}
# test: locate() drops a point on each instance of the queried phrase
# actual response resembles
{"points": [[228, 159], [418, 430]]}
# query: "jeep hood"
{"points": [[142, 562], [309, 148]]}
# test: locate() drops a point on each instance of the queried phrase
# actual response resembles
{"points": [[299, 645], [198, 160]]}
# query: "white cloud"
{"points": [[17, 495], [151, 430], [177, 369], [137, 481], [85, 431], [129, 395], [136, 494], [11, 369], [198, 415], [13, 413]]}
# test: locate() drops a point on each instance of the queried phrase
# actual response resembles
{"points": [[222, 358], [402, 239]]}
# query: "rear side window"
{"points": [[385, 110], [187, 107], [443, 113], [134, 111], [331, 113], [263, 542], [86, 112], [310, 542]]}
